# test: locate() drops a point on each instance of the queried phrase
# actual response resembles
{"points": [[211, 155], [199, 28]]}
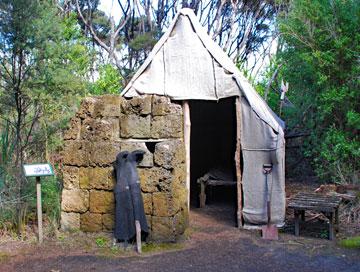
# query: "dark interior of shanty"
{"points": [[212, 149]]}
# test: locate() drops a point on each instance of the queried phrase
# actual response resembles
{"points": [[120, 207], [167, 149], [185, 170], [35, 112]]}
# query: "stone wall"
{"points": [[106, 125]]}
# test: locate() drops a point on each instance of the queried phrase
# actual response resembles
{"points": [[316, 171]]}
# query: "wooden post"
{"points": [[331, 226], [237, 163], [337, 219], [39, 209], [202, 194], [187, 131], [303, 216], [297, 222], [138, 236]]}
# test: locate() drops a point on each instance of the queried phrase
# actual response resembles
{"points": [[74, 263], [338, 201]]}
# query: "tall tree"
{"points": [[104, 31], [241, 28], [42, 67], [320, 60]]}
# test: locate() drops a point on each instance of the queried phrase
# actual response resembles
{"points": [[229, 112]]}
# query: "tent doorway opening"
{"points": [[212, 150]]}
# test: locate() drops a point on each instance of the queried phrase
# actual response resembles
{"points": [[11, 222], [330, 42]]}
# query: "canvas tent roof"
{"points": [[187, 64]]}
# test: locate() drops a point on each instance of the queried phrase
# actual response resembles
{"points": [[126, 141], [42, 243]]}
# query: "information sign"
{"points": [[38, 170]]}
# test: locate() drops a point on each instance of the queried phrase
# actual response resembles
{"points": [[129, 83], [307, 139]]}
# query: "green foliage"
{"points": [[6, 152], [321, 63], [50, 196], [353, 243], [109, 81], [7, 217], [50, 193], [56, 85], [339, 151], [7, 209], [43, 74], [143, 42], [324, 234], [101, 241], [273, 97], [53, 53]]}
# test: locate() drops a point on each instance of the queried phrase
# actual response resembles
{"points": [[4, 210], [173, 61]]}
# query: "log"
{"points": [[346, 197], [187, 135]]}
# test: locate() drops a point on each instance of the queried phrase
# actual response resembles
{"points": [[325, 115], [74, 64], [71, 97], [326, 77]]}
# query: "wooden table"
{"points": [[328, 205]]}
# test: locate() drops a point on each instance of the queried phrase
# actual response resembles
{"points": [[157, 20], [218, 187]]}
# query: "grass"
{"points": [[352, 243], [101, 241], [147, 248], [61, 237], [159, 247], [4, 257], [189, 232]]}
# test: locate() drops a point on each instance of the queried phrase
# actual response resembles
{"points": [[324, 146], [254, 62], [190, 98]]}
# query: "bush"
{"points": [[320, 60], [109, 81], [353, 242]]}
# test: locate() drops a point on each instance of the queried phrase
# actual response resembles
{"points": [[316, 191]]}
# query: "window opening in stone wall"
{"points": [[151, 146]]}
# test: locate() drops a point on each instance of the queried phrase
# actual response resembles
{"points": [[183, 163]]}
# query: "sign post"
{"points": [[39, 209], [37, 171]]}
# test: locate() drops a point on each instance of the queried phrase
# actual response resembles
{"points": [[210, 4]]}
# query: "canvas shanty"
{"points": [[186, 65]]}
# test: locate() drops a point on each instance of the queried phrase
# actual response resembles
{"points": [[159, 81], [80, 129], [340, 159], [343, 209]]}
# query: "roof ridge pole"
{"points": [[238, 164], [187, 135]]}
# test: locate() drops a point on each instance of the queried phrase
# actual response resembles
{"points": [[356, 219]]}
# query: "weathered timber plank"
{"points": [[314, 208], [317, 196], [316, 202], [312, 201], [330, 199], [317, 199], [311, 205], [220, 183]]}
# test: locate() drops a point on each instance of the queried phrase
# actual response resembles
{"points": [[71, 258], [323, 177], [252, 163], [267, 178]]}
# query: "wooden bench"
{"points": [[204, 182], [328, 205]]}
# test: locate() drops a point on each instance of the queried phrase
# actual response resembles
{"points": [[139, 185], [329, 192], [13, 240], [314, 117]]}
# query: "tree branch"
{"points": [[93, 33]]}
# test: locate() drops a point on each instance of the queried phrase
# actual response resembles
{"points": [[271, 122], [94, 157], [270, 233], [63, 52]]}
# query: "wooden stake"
{"points": [[202, 194], [39, 209], [187, 131], [138, 236], [237, 163]]}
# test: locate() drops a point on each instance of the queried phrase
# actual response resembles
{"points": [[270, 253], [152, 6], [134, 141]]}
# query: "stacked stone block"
{"points": [[103, 127]]}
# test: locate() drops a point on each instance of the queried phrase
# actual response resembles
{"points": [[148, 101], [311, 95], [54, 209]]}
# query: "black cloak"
{"points": [[129, 203]]}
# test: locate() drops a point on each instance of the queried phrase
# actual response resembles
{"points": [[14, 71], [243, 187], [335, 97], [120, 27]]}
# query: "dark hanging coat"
{"points": [[129, 203]]}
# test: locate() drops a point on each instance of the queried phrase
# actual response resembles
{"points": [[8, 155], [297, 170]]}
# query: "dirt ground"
{"points": [[212, 243]]}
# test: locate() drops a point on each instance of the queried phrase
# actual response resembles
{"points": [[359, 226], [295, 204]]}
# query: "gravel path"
{"points": [[213, 246]]}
